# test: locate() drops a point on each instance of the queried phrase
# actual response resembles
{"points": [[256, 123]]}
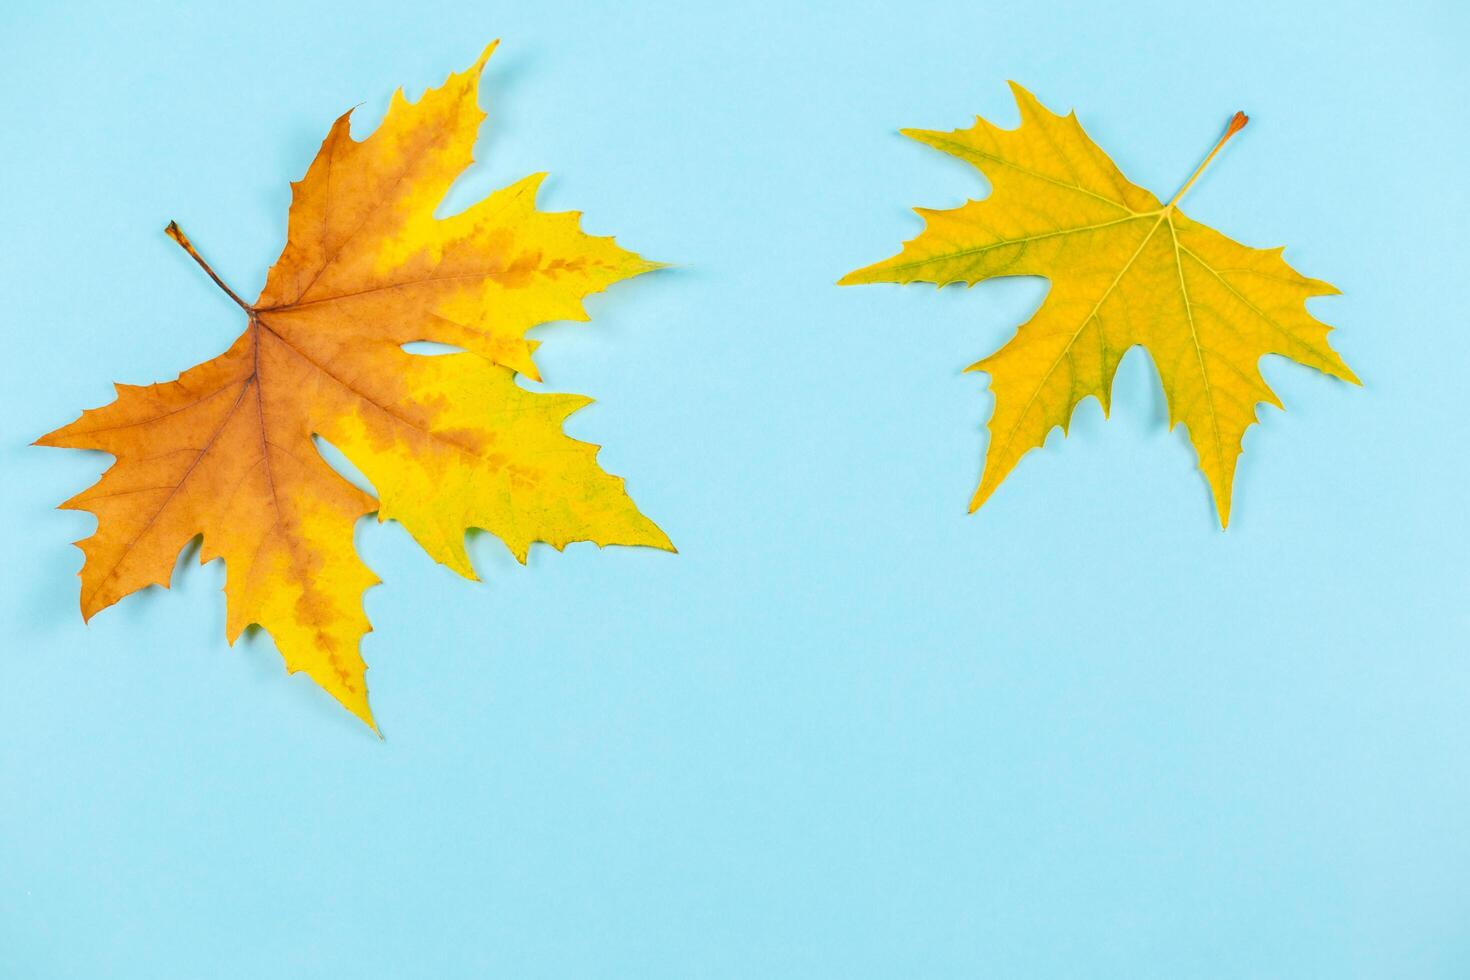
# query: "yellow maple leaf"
{"points": [[1125, 270], [449, 442]]}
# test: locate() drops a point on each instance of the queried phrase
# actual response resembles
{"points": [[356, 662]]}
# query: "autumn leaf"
{"points": [[1125, 270], [449, 442]]}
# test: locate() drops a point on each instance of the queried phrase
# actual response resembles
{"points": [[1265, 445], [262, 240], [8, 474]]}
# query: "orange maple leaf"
{"points": [[448, 442]]}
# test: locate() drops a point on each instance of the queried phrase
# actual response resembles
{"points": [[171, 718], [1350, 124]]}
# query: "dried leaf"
{"points": [[1125, 270], [449, 442]]}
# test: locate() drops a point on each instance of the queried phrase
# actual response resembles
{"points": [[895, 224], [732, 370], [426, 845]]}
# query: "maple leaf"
{"points": [[449, 442], [1125, 270]]}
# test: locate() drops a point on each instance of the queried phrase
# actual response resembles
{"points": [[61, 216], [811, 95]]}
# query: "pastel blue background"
{"points": [[850, 730]]}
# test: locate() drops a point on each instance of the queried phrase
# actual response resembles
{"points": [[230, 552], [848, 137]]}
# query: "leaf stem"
{"points": [[177, 234], [1237, 123]]}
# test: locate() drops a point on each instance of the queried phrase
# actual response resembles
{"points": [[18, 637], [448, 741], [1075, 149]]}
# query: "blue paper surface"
{"points": [[849, 730]]}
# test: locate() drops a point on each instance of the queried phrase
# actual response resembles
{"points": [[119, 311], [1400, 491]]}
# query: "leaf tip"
{"points": [[1222, 508], [364, 714], [982, 494], [485, 56], [642, 266], [929, 137], [660, 538], [1024, 99]]}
